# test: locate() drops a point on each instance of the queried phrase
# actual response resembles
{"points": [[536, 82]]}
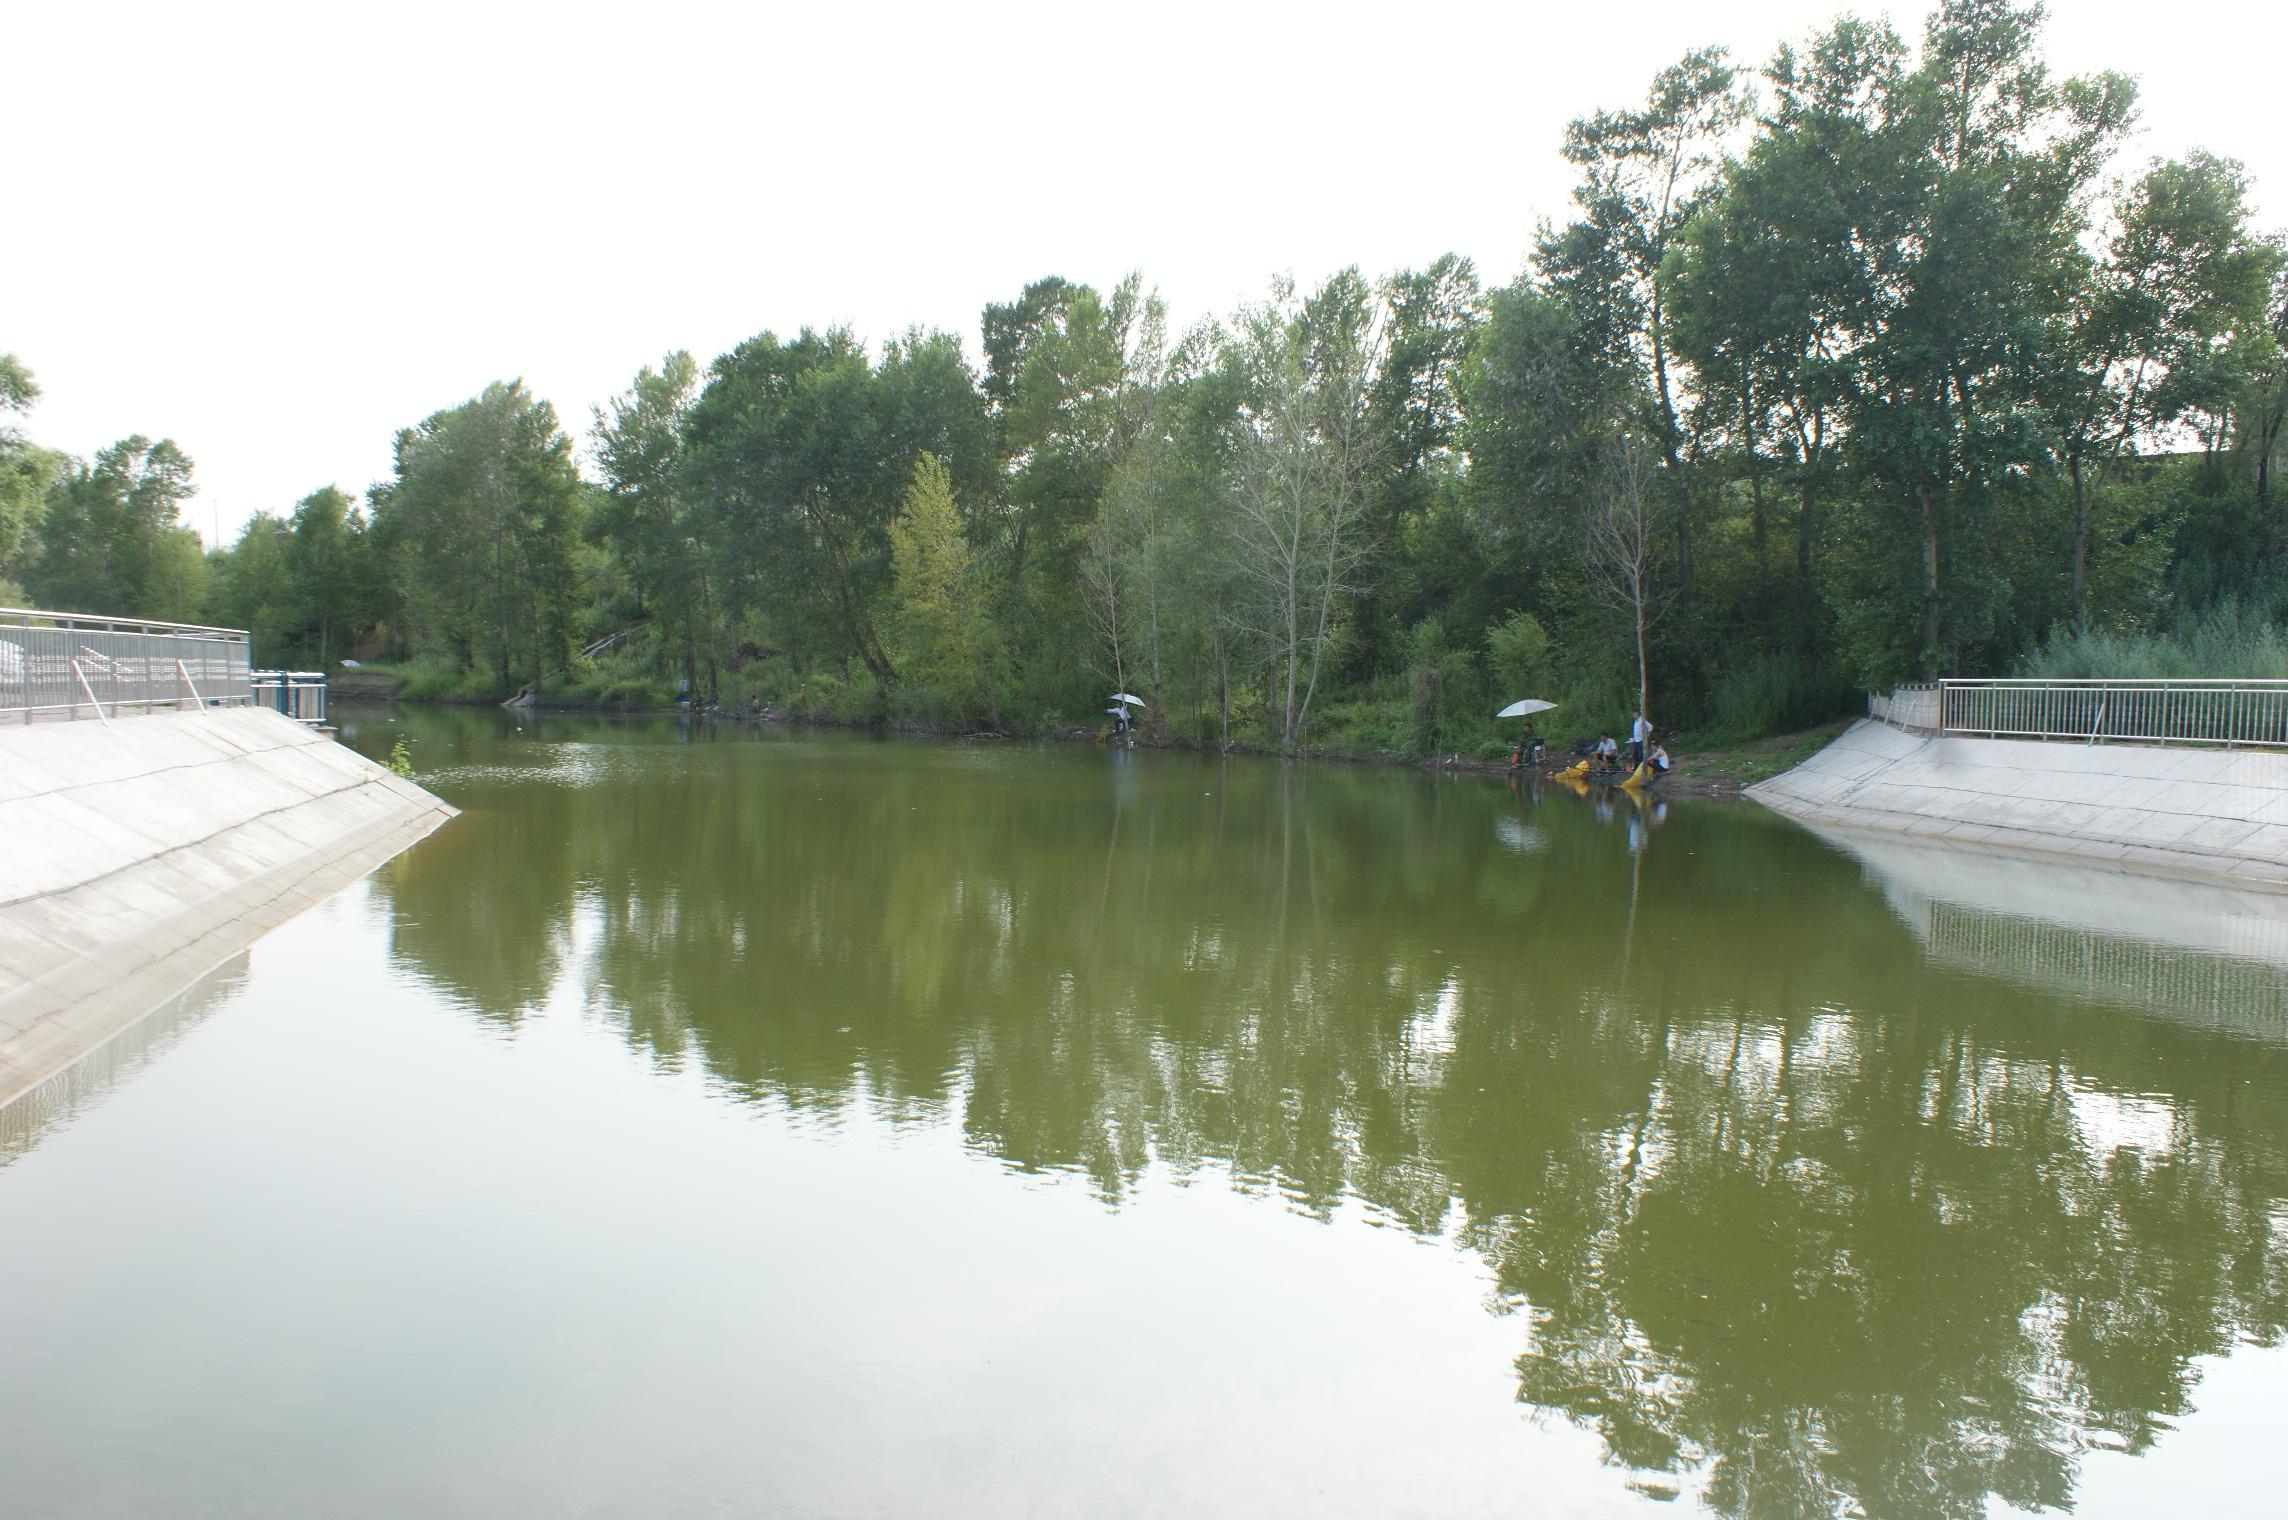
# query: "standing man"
{"points": [[1640, 732]]}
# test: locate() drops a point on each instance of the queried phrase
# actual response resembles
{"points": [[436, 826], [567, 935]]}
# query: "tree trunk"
{"points": [[1223, 694], [1683, 547], [1758, 529], [2080, 532], [2267, 440], [1930, 582], [1294, 633], [1669, 433], [1641, 681], [1755, 486], [1805, 532]]}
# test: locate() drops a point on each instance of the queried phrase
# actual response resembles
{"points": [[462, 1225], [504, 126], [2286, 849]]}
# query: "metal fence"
{"points": [[63, 665], [299, 694], [2221, 712], [1914, 707]]}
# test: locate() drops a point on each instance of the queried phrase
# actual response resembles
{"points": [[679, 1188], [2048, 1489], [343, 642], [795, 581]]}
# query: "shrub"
{"points": [[2233, 639], [1775, 693]]}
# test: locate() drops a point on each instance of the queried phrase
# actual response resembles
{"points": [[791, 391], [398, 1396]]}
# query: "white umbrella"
{"points": [[1525, 709], [1121, 696]]}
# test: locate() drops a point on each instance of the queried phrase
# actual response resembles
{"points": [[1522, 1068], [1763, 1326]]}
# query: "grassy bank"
{"points": [[1731, 768]]}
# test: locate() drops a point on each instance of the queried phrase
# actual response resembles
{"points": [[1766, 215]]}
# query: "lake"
{"points": [[715, 1121]]}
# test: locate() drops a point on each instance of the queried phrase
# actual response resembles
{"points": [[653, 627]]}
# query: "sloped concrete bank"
{"points": [[2206, 812], [135, 856]]}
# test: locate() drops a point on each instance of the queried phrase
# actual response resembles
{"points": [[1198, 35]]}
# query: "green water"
{"points": [[713, 1122]]}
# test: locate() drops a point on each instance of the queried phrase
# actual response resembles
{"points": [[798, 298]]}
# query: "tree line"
{"points": [[1877, 362]]}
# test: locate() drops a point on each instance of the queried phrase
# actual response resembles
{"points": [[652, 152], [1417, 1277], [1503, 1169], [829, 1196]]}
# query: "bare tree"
{"points": [[1104, 573], [1618, 546], [1303, 451]]}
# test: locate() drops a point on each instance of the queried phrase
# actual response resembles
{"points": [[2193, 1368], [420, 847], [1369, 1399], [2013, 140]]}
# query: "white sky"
{"points": [[279, 234]]}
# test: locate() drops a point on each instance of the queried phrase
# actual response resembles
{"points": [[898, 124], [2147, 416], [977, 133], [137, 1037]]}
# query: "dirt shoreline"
{"points": [[1722, 773]]}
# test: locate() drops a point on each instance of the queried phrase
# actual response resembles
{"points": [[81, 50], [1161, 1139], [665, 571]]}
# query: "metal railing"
{"points": [[66, 665], [299, 694], [1914, 707], [2231, 713]]}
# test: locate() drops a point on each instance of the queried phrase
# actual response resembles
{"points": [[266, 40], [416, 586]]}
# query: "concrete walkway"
{"points": [[2206, 812], [136, 855]]}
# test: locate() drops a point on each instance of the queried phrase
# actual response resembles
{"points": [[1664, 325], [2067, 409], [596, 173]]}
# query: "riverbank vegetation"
{"points": [[1881, 360]]}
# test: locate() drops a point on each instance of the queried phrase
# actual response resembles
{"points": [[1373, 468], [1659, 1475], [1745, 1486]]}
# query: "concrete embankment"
{"points": [[136, 855], [2209, 812]]}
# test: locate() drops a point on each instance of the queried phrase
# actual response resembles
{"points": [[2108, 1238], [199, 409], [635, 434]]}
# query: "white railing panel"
{"points": [[58, 664], [2232, 713]]}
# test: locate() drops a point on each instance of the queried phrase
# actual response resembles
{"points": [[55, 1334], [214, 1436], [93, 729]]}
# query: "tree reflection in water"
{"points": [[1785, 1207]]}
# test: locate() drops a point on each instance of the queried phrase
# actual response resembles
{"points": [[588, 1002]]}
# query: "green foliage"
{"points": [[2231, 640], [799, 454], [944, 639], [1517, 655], [401, 757], [1895, 376], [1774, 692], [1447, 693], [482, 523], [109, 538], [26, 470], [645, 515]]}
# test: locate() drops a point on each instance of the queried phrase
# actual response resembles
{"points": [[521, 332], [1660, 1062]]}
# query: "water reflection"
{"points": [[2204, 951], [1805, 1196], [29, 1116]]}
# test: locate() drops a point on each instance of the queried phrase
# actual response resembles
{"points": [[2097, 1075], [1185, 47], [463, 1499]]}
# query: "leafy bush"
{"points": [[2233, 639], [1774, 693], [1517, 656], [1451, 711]]}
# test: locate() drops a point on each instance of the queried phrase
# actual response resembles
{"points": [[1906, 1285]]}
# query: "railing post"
{"points": [[83, 686]]}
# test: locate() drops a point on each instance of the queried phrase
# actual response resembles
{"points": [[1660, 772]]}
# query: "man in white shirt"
{"points": [[1639, 732]]}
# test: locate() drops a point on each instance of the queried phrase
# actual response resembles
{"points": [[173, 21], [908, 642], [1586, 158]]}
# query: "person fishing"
{"points": [[1529, 748], [1640, 734]]}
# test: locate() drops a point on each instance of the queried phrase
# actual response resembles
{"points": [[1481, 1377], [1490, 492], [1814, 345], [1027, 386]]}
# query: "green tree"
{"points": [[1970, 245], [799, 456], [26, 470], [1417, 406], [252, 585], [945, 640], [2158, 325], [1768, 274], [483, 522], [326, 555], [1643, 171], [1304, 456], [645, 515], [110, 540], [1533, 397]]}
